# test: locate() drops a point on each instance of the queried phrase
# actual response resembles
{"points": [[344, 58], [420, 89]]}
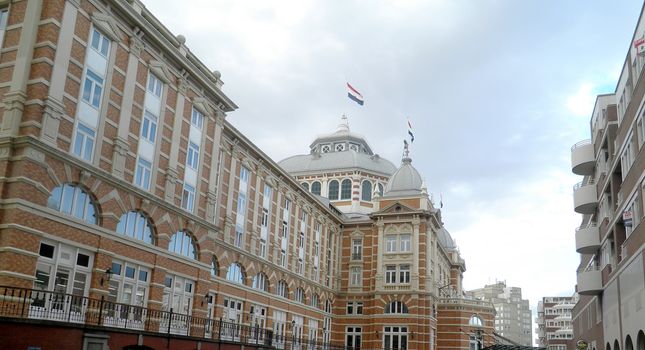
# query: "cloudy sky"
{"points": [[497, 92]]}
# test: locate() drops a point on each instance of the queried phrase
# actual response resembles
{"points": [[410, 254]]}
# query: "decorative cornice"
{"points": [[106, 25]]}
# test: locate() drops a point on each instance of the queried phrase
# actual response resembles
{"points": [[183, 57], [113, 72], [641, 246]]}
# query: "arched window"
{"points": [[261, 282], [396, 307], [346, 189], [628, 343], [333, 190], [640, 341], [380, 189], [328, 306], [300, 295], [135, 225], [73, 200], [475, 321], [305, 186], [616, 344], [182, 243], [214, 267], [366, 191], [315, 300], [235, 273], [282, 289], [315, 188]]}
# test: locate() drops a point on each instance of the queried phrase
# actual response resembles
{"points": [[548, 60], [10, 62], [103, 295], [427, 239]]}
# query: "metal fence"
{"points": [[60, 307]]}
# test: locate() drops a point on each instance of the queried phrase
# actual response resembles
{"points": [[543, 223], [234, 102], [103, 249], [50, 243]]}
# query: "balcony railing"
{"points": [[21, 303]]}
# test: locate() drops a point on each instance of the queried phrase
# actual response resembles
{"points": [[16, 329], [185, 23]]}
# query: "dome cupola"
{"points": [[406, 180]]}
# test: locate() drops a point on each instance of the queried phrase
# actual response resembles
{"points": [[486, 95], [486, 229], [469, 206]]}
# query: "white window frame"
{"points": [[143, 173], [93, 89], [355, 276], [100, 43], [154, 85], [192, 156], [197, 119], [188, 198], [149, 126], [86, 137]]}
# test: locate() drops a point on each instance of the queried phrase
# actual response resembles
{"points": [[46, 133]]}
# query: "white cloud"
{"points": [[580, 103]]}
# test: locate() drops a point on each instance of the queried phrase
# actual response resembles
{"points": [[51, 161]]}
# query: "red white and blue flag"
{"points": [[639, 45], [410, 131], [354, 95]]}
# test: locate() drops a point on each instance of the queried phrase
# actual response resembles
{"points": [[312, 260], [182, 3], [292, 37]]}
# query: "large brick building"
{"points": [[133, 214]]}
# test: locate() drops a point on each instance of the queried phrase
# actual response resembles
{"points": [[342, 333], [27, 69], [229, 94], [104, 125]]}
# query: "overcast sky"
{"points": [[497, 92]]}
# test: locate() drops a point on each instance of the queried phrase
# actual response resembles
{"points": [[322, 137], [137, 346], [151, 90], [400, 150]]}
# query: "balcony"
{"points": [[585, 199], [582, 158], [590, 281], [587, 239]]}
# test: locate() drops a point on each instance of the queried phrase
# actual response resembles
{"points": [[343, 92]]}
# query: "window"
{"points": [[84, 142], [390, 274], [154, 85], [4, 13], [366, 191], [405, 243], [73, 200], [261, 282], [279, 327], [92, 89], [182, 244], [325, 149], [300, 295], [355, 276], [333, 190], [188, 198], [135, 225], [235, 273], [395, 337], [315, 299], [476, 321], [396, 307], [240, 218], [404, 273], [197, 119], [282, 289], [128, 285], [100, 43], [353, 337], [390, 243], [380, 190], [354, 307], [357, 249], [346, 189], [340, 147], [149, 126], [315, 188], [143, 174], [214, 267], [300, 267], [192, 159], [178, 295], [283, 258], [305, 186]]}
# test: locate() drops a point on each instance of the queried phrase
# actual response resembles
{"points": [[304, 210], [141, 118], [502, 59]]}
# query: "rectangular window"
{"points": [[283, 258], [149, 126], [390, 274], [188, 198], [355, 276], [154, 85], [197, 119], [390, 243], [4, 13], [84, 142], [92, 89], [263, 249], [405, 243], [192, 159], [100, 43], [404, 274], [143, 172], [353, 338], [357, 249], [300, 267], [354, 307], [395, 337]]}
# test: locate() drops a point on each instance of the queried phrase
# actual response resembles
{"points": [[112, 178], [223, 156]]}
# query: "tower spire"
{"points": [[344, 124]]}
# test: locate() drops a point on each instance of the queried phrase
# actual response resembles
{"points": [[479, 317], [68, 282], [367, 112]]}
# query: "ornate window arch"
{"points": [[332, 191], [137, 225], [182, 243], [366, 191], [475, 321], [235, 273], [315, 187], [72, 199], [261, 282], [346, 189], [282, 289], [300, 295]]}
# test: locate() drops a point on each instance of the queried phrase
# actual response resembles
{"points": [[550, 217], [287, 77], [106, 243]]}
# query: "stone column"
{"points": [[216, 170], [415, 252], [379, 257], [172, 174]]}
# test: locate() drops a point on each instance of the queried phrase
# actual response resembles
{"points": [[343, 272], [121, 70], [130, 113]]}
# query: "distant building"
{"points": [[513, 317], [554, 330], [611, 237]]}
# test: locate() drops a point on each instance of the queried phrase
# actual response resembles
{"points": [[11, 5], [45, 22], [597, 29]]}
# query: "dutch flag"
{"points": [[354, 95], [410, 131]]}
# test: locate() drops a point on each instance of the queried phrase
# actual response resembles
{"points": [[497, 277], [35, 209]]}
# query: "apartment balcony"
{"points": [[585, 199], [590, 281], [582, 158], [587, 239]]}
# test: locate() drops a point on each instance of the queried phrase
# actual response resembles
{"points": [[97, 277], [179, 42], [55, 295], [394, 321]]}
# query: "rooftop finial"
{"points": [[344, 124], [406, 152]]}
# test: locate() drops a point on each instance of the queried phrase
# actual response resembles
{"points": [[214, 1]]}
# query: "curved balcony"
{"points": [[585, 199], [590, 281], [587, 239], [582, 158]]}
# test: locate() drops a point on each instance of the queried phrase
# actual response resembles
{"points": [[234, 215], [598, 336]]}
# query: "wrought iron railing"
{"points": [[67, 308]]}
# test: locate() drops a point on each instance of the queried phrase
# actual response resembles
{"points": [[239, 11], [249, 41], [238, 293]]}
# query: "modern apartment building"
{"points": [[513, 314], [611, 238], [134, 215], [554, 330]]}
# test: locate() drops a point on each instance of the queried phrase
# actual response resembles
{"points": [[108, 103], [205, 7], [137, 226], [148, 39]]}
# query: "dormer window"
{"points": [[340, 147], [325, 149]]}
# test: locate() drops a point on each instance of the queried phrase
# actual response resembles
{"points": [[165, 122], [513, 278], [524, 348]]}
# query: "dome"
{"points": [[405, 181], [445, 239]]}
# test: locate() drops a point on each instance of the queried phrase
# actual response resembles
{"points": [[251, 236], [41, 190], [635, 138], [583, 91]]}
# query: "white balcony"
{"points": [[590, 281], [582, 158], [585, 199], [587, 239]]}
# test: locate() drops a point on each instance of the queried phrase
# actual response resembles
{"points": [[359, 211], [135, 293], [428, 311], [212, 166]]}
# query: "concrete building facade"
{"points": [[554, 327], [134, 215], [513, 314], [611, 238]]}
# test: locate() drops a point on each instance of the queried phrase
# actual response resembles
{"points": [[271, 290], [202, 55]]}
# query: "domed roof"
{"points": [[445, 239], [406, 180]]}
